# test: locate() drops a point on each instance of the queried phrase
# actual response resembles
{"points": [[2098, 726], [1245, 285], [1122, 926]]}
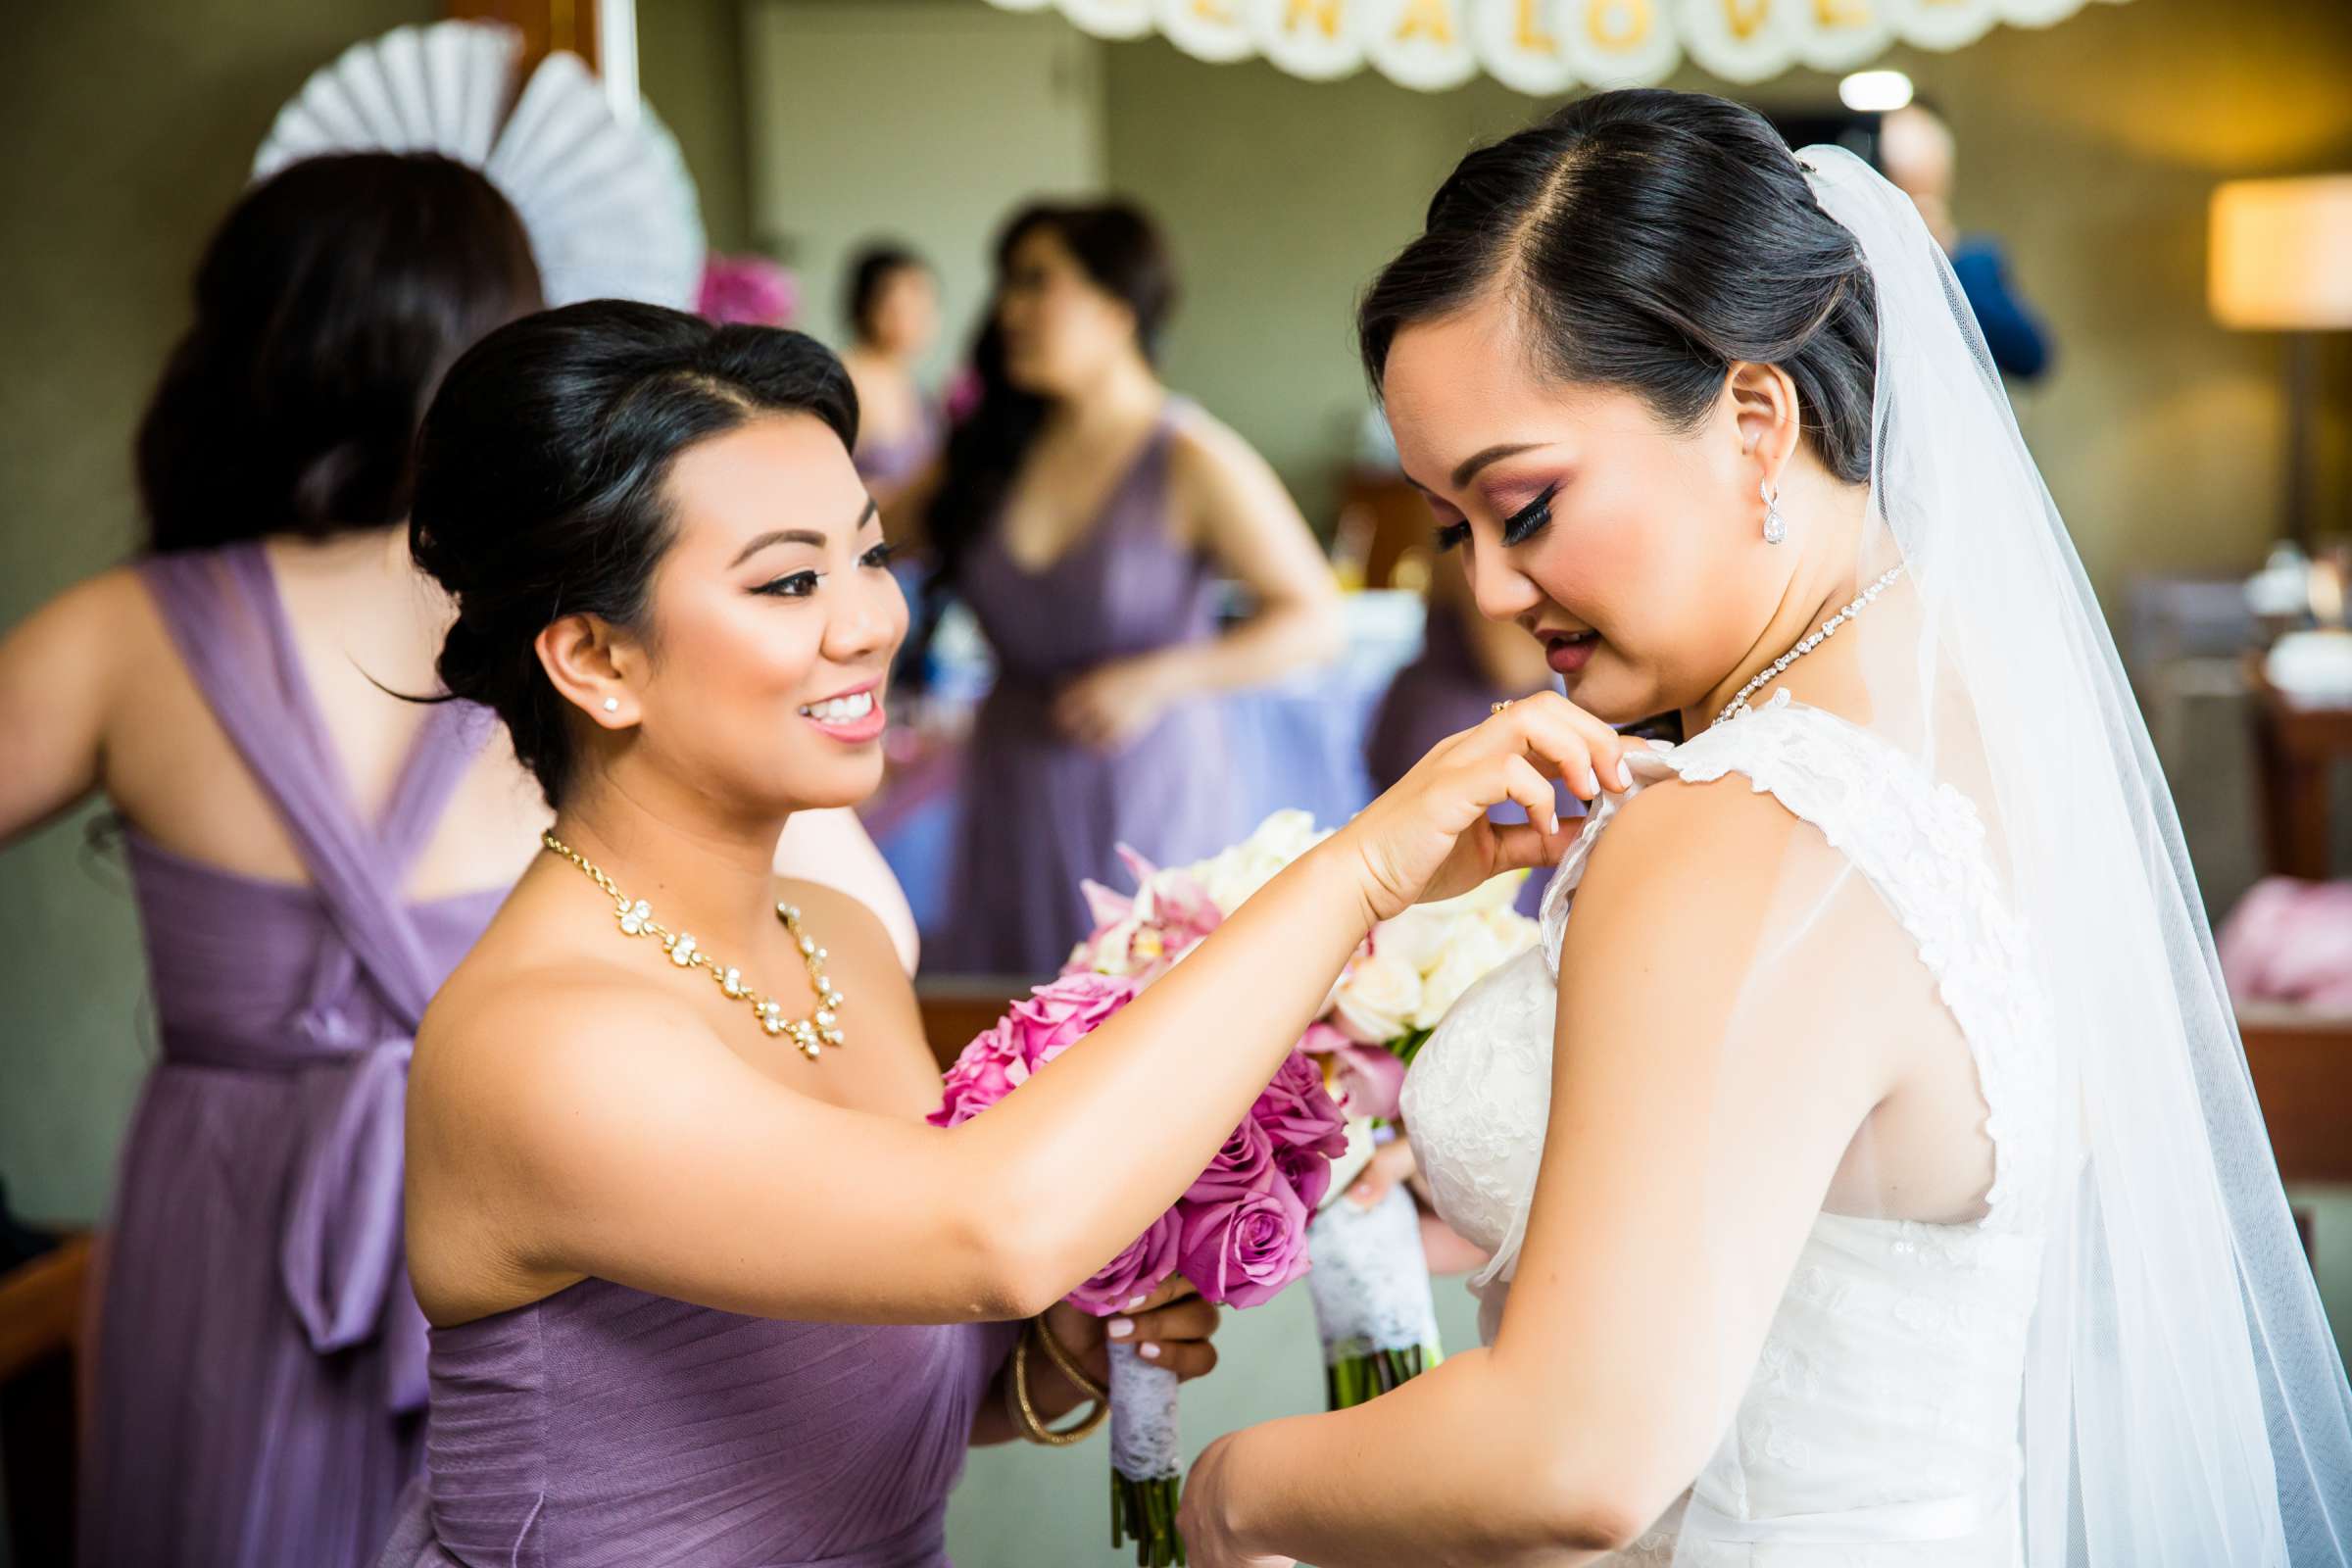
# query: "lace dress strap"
{"points": [[1922, 846]]}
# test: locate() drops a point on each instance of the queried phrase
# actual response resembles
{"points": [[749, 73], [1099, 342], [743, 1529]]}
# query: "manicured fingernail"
{"points": [[1360, 1195], [1120, 1328], [1134, 1301], [1149, 1353], [1625, 774], [1555, 824], [1592, 781]]}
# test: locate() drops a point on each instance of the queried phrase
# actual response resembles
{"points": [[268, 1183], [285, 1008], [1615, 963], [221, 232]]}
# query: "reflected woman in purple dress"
{"points": [[309, 855], [705, 1286], [1087, 517]]}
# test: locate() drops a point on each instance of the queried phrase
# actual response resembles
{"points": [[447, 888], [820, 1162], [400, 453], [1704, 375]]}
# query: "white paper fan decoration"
{"points": [[610, 208]]}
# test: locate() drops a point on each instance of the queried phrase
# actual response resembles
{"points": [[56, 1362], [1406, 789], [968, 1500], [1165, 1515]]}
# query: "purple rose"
{"points": [[988, 1069], [1299, 1112], [1245, 1163], [1243, 1252], [1139, 1270], [1306, 1172], [1059, 1016]]}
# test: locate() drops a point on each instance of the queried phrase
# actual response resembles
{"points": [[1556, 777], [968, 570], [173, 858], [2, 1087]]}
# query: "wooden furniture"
{"points": [[2296, 752], [1389, 519], [2302, 1068], [40, 1341], [955, 1007], [547, 26]]}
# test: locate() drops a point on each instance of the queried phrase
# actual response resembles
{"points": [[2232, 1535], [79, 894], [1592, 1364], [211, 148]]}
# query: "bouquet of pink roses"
{"points": [[1370, 1279], [1238, 1234]]}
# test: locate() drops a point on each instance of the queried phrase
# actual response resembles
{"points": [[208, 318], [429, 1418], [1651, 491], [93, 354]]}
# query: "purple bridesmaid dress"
{"points": [[261, 1360], [1040, 811], [892, 463], [604, 1426]]}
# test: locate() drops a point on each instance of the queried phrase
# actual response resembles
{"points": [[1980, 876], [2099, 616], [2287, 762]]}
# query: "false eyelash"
{"points": [[882, 554], [1530, 519], [783, 587], [1451, 535]]}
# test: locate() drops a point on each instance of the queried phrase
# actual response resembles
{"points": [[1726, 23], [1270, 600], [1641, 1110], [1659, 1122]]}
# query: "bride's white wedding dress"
{"points": [[2124, 1363], [1880, 1425]]}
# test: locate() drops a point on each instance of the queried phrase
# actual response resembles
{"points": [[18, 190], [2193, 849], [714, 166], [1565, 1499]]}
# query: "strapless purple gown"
{"points": [[1040, 811], [604, 1426], [261, 1360]]}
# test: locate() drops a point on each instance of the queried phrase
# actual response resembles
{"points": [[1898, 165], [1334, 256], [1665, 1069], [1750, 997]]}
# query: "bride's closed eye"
{"points": [[1517, 528]]}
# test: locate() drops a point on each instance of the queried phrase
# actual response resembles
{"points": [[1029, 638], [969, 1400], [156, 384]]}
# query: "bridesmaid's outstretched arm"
{"points": [[595, 1128]]}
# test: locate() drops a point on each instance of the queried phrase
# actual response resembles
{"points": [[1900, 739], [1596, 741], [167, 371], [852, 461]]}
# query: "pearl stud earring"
{"points": [[611, 704]]}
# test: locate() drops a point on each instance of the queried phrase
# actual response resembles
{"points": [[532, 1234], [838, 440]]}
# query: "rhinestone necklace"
{"points": [[1769, 672], [821, 1028]]}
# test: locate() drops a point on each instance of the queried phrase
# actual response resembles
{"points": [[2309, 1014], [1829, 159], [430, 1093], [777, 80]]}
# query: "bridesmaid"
{"points": [[308, 854], [701, 1294], [310, 857], [894, 318], [1087, 517]]}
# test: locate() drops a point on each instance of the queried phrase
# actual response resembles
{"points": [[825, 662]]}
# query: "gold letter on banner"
{"points": [[1213, 11], [1841, 13], [1616, 25], [1530, 34], [1433, 16], [1325, 12], [1745, 16]]}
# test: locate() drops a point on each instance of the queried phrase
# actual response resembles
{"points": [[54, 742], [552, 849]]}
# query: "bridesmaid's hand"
{"points": [[1207, 1522], [1112, 703], [1428, 835], [1171, 1329]]}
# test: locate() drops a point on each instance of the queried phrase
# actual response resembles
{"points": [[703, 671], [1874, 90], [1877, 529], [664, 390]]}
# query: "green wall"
{"points": [[130, 128], [2090, 147]]}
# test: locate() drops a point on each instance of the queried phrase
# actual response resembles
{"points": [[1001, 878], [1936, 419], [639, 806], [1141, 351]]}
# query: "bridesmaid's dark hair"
{"points": [[1652, 238], [1120, 249], [871, 272], [327, 306], [542, 482]]}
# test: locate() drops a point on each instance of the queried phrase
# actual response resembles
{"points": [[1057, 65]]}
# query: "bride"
{"points": [[1868, 1160]]}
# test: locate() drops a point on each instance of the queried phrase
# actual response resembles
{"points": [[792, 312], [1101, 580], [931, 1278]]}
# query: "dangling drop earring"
{"points": [[1776, 526]]}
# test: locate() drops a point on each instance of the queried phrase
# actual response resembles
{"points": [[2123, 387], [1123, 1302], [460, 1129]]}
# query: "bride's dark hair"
{"points": [[541, 481], [1652, 238]]}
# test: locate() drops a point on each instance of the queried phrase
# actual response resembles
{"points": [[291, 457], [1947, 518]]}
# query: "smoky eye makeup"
{"points": [[1529, 520], [1517, 528]]}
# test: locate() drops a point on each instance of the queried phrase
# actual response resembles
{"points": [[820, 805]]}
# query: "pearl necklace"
{"points": [[1772, 671], [810, 1034]]}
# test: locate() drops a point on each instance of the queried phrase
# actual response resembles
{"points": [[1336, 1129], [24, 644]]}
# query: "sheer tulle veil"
{"points": [[2184, 1403]]}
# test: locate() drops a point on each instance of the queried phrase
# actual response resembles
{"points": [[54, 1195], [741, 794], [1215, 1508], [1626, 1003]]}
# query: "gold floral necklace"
{"points": [[821, 1028]]}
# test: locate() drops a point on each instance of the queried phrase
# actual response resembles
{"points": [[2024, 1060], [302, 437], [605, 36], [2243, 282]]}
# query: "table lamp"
{"points": [[2281, 261]]}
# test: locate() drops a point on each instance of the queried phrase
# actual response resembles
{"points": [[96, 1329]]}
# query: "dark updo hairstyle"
{"points": [[1120, 249], [1651, 239], [327, 307], [541, 482], [869, 274]]}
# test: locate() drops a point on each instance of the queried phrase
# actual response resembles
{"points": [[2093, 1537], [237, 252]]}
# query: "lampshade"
{"points": [[2282, 253]]}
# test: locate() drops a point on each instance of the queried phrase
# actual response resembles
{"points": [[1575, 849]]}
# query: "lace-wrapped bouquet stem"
{"points": [[1238, 1234]]}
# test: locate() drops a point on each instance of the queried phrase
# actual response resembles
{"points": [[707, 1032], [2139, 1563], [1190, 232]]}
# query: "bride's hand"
{"points": [[1428, 835], [1205, 1523]]}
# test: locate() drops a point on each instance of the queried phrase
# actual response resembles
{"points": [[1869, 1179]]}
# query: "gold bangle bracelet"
{"points": [[1068, 1365], [1025, 1414]]}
